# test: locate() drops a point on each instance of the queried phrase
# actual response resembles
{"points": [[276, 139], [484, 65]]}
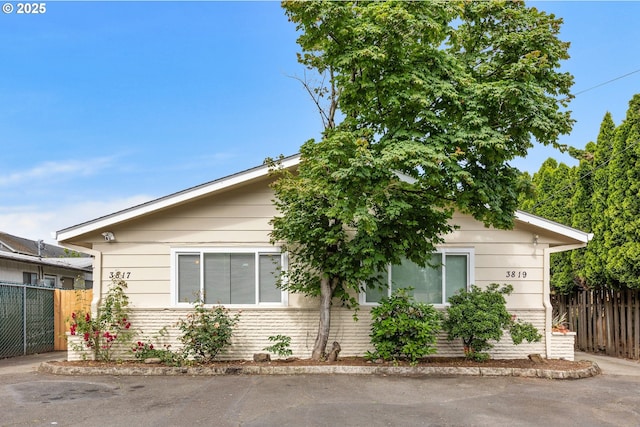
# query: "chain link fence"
{"points": [[26, 319]]}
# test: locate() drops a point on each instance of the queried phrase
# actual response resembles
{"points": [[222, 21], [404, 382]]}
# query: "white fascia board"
{"points": [[553, 227], [172, 200]]}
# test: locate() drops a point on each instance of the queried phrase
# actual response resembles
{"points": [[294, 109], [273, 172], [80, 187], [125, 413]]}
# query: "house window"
{"points": [[232, 277], [30, 278], [449, 270], [49, 281]]}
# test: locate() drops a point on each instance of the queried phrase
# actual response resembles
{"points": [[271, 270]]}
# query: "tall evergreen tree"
{"points": [[623, 206], [596, 253], [601, 195], [582, 208]]}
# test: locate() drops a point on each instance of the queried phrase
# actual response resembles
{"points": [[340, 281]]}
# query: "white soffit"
{"points": [[553, 226]]}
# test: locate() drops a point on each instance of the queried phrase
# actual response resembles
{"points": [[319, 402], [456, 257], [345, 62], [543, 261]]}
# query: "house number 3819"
{"points": [[512, 274]]}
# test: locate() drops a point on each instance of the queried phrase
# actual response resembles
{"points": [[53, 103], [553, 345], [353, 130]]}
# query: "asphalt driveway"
{"points": [[35, 399]]}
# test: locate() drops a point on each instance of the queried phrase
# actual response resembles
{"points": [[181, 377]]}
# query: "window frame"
{"points": [[33, 278], [468, 252], [50, 280], [201, 251]]}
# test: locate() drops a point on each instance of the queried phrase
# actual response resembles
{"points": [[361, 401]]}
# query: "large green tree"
{"points": [[623, 205], [596, 252], [600, 195], [434, 100], [582, 209]]}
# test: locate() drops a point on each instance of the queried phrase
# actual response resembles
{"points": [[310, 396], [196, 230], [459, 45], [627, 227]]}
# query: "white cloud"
{"points": [[41, 222], [58, 169]]}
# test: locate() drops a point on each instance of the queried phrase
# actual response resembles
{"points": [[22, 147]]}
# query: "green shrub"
{"points": [[281, 345], [521, 331], [206, 331], [147, 350], [477, 316], [403, 328]]}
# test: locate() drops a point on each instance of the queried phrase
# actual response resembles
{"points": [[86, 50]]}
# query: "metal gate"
{"points": [[26, 319]]}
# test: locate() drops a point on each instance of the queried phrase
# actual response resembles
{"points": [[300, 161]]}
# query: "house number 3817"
{"points": [[119, 275], [512, 274]]}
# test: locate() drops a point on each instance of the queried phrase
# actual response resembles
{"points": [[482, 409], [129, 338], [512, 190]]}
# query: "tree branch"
{"points": [[327, 118]]}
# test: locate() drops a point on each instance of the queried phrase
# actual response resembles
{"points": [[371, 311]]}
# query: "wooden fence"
{"points": [[605, 321], [65, 303]]}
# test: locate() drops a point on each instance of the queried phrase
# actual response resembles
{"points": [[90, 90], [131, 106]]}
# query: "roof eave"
{"points": [[171, 200], [554, 227], [254, 173]]}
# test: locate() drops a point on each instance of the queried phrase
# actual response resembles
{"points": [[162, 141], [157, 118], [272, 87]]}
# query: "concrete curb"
{"points": [[406, 371]]}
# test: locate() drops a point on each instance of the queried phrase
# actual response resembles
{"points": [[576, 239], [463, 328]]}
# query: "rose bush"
{"points": [[109, 327]]}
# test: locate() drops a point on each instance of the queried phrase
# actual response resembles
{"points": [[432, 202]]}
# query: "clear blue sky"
{"points": [[104, 105]]}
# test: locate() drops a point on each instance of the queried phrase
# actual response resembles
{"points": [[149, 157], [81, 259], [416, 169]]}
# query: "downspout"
{"points": [[546, 292]]}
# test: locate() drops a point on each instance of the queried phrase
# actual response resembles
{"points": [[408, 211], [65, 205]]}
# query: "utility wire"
{"points": [[607, 82], [580, 178]]}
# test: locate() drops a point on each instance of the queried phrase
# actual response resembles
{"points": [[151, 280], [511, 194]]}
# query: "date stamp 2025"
{"points": [[24, 8]]}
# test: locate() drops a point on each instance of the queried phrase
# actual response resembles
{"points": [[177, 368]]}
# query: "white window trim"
{"points": [[202, 250], [469, 252], [51, 277]]}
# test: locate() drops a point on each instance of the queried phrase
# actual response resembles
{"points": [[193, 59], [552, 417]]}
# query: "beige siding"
{"points": [[504, 257], [142, 248], [240, 218]]}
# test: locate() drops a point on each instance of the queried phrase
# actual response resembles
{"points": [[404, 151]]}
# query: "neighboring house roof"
{"points": [[26, 250], [77, 264], [20, 245], [211, 187]]}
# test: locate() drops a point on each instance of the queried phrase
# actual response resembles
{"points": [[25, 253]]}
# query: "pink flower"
{"points": [[73, 316], [87, 317]]}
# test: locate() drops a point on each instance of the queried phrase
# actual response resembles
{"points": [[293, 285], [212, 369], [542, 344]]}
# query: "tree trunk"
{"points": [[326, 293]]}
